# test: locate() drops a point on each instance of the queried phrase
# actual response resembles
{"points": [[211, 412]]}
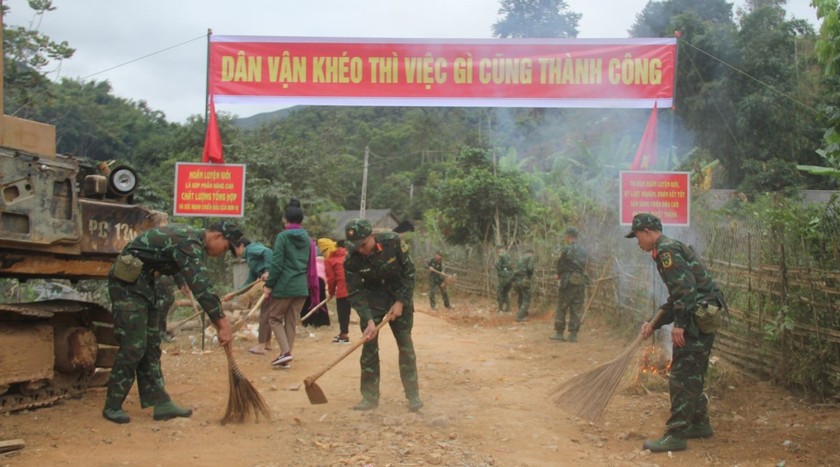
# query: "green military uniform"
{"points": [[504, 276], [522, 283], [690, 289], [165, 297], [436, 281], [571, 269], [689, 284], [374, 283], [137, 308]]}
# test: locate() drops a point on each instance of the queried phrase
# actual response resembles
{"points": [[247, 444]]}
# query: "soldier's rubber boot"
{"points": [[167, 410], [698, 430], [366, 404], [116, 415], [415, 404], [573, 337], [558, 337], [669, 442]]}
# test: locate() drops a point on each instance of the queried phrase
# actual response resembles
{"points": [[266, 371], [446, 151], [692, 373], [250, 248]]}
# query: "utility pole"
{"points": [[364, 183]]}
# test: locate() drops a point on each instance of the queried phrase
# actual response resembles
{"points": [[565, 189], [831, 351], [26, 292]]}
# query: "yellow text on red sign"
{"points": [[209, 190], [664, 194]]}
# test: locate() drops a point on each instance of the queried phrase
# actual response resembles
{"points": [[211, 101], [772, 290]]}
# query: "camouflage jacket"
{"points": [[435, 278], [504, 266], [687, 279], [524, 267], [174, 249], [377, 280], [572, 263]]}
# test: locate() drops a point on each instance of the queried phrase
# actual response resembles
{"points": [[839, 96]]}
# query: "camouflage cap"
{"points": [[572, 232], [229, 231], [357, 229], [644, 221]]}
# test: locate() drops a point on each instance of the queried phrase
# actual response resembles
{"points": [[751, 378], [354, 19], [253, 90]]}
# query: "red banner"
{"points": [[665, 194], [469, 73], [209, 190]]}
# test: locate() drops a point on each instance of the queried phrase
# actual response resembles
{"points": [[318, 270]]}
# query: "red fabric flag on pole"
{"points": [[646, 153], [212, 140]]}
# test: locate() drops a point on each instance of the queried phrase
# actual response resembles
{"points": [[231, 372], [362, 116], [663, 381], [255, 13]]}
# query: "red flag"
{"points": [[646, 153], [212, 140]]}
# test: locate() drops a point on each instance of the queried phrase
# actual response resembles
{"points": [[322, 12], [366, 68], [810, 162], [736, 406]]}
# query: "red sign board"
{"points": [[612, 73], [209, 190], [664, 194]]}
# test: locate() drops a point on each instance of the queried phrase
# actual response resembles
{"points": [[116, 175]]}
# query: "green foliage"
{"points": [[27, 53], [746, 90], [476, 203], [536, 18], [772, 176]]}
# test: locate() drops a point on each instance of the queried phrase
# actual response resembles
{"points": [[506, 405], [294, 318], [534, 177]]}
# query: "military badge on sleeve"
{"points": [[667, 260]]}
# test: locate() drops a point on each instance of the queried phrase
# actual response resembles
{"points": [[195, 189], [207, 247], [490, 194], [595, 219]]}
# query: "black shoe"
{"points": [[282, 358], [116, 415], [366, 404]]}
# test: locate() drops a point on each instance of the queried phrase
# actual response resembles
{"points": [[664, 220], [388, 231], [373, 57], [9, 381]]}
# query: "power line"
{"points": [[738, 70], [145, 56]]}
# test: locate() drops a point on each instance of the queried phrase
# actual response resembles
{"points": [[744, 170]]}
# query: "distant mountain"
{"points": [[255, 121]]}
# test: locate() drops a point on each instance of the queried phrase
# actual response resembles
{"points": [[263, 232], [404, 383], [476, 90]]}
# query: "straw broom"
{"points": [[243, 397], [587, 395]]}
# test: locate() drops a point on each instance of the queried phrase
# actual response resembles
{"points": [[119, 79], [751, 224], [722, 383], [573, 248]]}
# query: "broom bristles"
{"points": [[243, 398], [587, 395]]}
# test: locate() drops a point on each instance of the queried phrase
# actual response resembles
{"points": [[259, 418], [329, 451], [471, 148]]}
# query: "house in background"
{"points": [[380, 219]]}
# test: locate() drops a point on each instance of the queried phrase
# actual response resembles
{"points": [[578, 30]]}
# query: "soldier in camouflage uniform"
{"points": [[571, 272], [165, 295], [132, 281], [380, 281], [437, 281], [504, 276], [692, 292], [522, 283]]}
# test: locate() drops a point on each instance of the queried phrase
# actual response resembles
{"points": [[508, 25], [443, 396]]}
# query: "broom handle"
{"points": [[652, 322], [355, 345], [225, 298], [241, 321], [241, 291], [441, 273], [315, 308]]}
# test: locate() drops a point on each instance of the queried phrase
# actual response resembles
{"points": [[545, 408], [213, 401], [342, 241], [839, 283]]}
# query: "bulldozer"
{"points": [[61, 217]]}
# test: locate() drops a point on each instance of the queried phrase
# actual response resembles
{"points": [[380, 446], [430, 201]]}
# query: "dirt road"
{"points": [[484, 380]]}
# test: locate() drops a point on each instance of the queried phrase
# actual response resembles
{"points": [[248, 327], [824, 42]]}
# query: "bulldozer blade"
{"points": [[315, 393]]}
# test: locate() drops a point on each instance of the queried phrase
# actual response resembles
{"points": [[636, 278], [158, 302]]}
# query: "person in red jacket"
{"points": [[334, 254]]}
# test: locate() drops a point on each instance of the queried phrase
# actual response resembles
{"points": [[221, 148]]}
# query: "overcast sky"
{"points": [[107, 33]]}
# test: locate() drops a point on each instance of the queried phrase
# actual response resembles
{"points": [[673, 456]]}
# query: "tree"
{"points": [[536, 18], [828, 53], [746, 91], [472, 198], [26, 55]]}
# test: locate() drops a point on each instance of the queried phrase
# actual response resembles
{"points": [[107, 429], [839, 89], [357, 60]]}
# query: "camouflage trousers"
{"points": [[503, 294], [433, 287], [137, 324], [522, 287], [569, 302], [688, 373], [401, 328]]}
